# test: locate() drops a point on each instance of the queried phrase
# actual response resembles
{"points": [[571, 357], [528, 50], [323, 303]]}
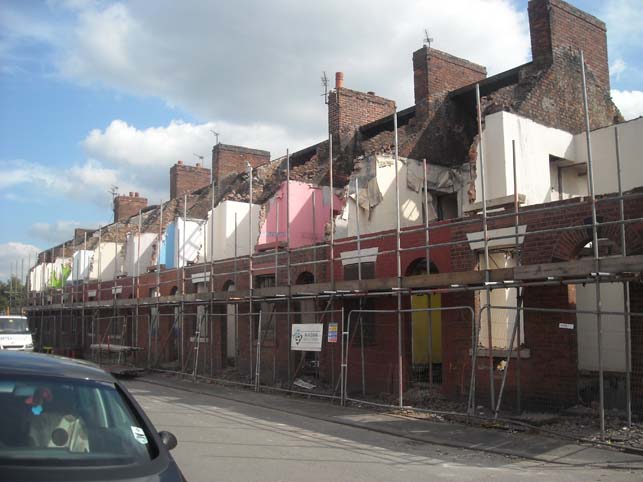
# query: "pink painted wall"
{"points": [[302, 230]]}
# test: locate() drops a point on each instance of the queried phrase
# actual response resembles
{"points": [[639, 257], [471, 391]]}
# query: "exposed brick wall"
{"points": [[557, 26], [549, 89], [186, 179], [228, 160], [348, 109], [436, 73], [128, 206]]}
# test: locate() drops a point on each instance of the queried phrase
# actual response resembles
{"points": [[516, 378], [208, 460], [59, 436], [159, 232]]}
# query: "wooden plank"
{"points": [[496, 203], [579, 268]]}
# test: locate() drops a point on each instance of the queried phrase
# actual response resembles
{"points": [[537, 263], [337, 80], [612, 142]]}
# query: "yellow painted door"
{"points": [[420, 326]]}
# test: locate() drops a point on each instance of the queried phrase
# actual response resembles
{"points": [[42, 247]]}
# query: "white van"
{"points": [[14, 333]]}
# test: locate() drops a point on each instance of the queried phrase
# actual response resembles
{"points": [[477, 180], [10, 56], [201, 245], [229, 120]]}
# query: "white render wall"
{"points": [[188, 241], [534, 144], [604, 155], [108, 257], [224, 229], [81, 266], [138, 259], [383, 217]]}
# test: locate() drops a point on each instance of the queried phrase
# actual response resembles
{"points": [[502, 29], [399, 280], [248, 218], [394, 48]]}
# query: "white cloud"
{"points": [[629, 102], [217, 62], [90, 181], [617, 68], [144, 156], [14, 252], [55, 233]]}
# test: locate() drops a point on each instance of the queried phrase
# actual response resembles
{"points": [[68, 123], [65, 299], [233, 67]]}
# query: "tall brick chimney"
{"points": [[349, 109], [436, 73], [186, 179], [557, 26], [128, 206], [228, 161]]}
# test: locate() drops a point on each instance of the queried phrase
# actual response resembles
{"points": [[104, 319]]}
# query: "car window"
{"points": [[54, 421]]}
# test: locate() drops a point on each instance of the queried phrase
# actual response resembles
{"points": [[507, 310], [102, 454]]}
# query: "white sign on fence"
{"points": [[307, 337]]}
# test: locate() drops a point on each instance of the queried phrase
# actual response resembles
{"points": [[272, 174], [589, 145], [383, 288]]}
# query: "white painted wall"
{"points": [[189, 241], [109, 259], [222, 244], [81, 266], [613, 328], [604, 155], [138, 259], [534, 144]]}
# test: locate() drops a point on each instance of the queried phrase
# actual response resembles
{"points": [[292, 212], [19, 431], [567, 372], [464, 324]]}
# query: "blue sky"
{"points": [[95, 94]]}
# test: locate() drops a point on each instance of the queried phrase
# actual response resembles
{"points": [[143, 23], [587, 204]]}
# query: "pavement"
{"points": [[501, 442]]}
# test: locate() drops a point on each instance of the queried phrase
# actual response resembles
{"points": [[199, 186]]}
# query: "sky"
{"points": [[102, 95]]}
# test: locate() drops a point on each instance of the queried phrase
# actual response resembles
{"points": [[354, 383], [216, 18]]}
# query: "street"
{"points": [[222, 439]]}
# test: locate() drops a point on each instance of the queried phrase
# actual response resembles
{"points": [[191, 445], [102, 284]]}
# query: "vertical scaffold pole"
{"points": [[492, 391], [599, 319], [400, 368], [626, 288]]}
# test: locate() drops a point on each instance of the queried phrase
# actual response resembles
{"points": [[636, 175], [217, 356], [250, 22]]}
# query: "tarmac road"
{"points": [[223, 439]]}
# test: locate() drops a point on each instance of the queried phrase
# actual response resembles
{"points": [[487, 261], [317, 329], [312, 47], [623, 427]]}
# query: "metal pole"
{"points": [[288, 259], [342, 366], [277, 244], [257, 361], [314, 221], [359, 241], [428, 266], [399, 268], [626, 289], [332, 215], [22, 280], [492, 390], [359, 277], [250, 281], [519, 291], [599, 320]]}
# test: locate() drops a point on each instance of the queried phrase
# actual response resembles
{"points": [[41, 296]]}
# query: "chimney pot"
{"points": [[180, 163], [198, 164], [131, 194], [339, 80], [135, 194]]}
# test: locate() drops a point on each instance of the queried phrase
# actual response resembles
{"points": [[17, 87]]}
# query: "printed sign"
{"points": [[307, 337], [566, 326], [332, 332]]}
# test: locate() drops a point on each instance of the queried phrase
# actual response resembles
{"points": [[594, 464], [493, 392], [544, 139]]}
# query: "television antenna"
{"points": [[324, 81], [427, 40], [216, 135]]}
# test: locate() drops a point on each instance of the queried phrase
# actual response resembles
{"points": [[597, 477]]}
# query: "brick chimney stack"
{"points": [[556, 26], [228, 161], [436, 73], [349, 109], [186, 179], [128, 206]]}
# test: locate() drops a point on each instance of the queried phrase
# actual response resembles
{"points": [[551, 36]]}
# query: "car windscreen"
{"points": [[13, 325], [49, 421]]}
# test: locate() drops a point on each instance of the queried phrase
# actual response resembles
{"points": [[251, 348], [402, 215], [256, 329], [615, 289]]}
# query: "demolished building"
{"points": [[387, 233]]}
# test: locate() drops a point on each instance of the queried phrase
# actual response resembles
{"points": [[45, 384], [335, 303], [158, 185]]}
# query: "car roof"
{"points": [[26, 363]]}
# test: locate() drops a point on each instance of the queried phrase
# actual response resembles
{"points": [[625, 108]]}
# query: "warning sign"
{"points": [[307, 337], [332, 333]]}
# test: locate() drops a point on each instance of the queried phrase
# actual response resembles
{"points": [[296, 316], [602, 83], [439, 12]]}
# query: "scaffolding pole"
{"points": [[626, 288], [486, 247], [599, 319]]}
